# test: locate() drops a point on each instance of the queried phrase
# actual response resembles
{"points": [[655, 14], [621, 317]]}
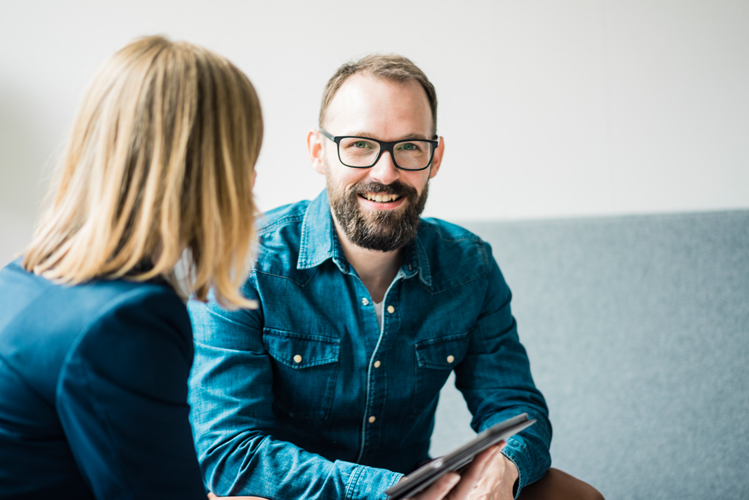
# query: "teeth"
{"points": [[381, 198]]}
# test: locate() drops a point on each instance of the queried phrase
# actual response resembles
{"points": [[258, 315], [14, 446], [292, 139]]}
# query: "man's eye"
{"points": [[409, 146], [361, 144]]}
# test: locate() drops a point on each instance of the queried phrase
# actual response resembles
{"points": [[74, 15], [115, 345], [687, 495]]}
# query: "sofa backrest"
{"points": [[637, 329]]}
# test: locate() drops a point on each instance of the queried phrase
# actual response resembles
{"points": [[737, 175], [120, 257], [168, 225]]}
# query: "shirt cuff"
{"points": [[517, 452], [370, 483]]}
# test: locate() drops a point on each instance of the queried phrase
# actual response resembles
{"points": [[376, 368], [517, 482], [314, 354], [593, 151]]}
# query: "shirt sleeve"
{"points": [[231, 392], [122, 399], [496, 382]]}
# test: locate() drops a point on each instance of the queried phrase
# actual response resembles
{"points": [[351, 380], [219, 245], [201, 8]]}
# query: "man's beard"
{"points": [[383, 230]]}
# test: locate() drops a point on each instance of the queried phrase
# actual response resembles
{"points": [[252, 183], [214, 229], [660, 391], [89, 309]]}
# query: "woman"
{"points": [[152, 203]]}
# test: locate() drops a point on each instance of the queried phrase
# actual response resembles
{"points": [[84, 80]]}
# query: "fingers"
{"points": [[473, 474], [439, 489]]}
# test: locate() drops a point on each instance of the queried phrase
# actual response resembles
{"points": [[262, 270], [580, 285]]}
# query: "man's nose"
{"points": [[384, 171]]}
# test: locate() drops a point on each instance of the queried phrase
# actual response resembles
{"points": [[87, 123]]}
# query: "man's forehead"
{"points": [[365, 103]]}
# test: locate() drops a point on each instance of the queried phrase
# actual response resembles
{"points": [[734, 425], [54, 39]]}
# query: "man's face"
{"points": [[377, 208]]}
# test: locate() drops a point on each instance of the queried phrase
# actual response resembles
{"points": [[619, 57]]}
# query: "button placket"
{"points": [[376, 379]]}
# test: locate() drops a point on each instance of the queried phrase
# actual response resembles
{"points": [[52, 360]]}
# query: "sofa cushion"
{"points": [[637, 329]]}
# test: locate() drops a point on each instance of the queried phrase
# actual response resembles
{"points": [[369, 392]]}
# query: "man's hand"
{"points": [[452, 486], [497, 481]]}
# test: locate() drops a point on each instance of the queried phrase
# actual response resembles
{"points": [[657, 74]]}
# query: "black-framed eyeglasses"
{"points": [[365, 152]]}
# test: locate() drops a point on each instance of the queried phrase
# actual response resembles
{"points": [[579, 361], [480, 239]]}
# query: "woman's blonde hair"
{"points": [[159, 167]]}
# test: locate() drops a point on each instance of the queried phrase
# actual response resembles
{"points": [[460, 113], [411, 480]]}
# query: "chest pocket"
{"points": [[304, 372], [435, 359]]}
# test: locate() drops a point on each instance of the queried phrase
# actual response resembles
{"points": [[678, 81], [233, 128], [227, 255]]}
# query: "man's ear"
{"points": [[315, 151], [437, 159]]}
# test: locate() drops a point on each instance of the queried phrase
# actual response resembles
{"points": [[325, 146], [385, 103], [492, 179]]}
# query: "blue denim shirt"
{"points": [[306, 397]]}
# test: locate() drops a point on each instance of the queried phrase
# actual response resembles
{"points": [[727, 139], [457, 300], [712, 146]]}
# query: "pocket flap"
{"points": [[297, 350], [442, 353]]}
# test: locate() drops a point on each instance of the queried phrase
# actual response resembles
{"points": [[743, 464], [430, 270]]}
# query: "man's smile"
{"points": [[381, 201], [380, 197]]}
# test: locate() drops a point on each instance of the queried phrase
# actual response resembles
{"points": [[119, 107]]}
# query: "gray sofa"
{"points": [[637, 330]]}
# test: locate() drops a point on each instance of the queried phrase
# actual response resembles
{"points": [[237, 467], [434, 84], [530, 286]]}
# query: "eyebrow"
{"points": [[408, 137]]}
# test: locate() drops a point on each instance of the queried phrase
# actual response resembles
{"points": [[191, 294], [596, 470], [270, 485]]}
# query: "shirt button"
{"points": [[391, 309], [364, 301], [372, 419], [297, 358], [450, 358], [377, 363]]}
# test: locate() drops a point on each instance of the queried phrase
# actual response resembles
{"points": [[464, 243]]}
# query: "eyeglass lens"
{"points": [[410, 155]]}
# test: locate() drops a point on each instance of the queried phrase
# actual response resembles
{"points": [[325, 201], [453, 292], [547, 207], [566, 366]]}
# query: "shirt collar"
{"points": [[319, 242]]}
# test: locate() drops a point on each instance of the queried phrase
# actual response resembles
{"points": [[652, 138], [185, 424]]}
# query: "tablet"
{"points": [[455, 460]]}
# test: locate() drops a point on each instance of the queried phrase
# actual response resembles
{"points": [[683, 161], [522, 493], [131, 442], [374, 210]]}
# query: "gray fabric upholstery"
{"points": [[637, 330]]}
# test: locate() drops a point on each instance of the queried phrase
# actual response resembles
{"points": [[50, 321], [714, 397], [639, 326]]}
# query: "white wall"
{"points": [[548, 108]]}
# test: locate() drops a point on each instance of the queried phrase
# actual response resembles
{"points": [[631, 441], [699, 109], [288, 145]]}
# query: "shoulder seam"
{"points": [[286, 219]]}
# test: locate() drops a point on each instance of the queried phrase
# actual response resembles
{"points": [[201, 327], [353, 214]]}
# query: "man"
{"points": [[329, 389]]}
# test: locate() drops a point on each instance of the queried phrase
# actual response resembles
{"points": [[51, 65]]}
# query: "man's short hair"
{"points": [[390, 67]]}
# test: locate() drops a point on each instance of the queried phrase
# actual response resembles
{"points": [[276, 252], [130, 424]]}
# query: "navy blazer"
{"points": [[93, 390]]}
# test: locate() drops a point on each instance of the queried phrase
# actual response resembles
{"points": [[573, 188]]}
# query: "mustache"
{"points": [[397, 188]]}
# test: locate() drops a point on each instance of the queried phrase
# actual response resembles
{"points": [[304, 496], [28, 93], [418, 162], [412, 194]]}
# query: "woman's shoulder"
{"points": [[48, 324], [34, 297]]}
